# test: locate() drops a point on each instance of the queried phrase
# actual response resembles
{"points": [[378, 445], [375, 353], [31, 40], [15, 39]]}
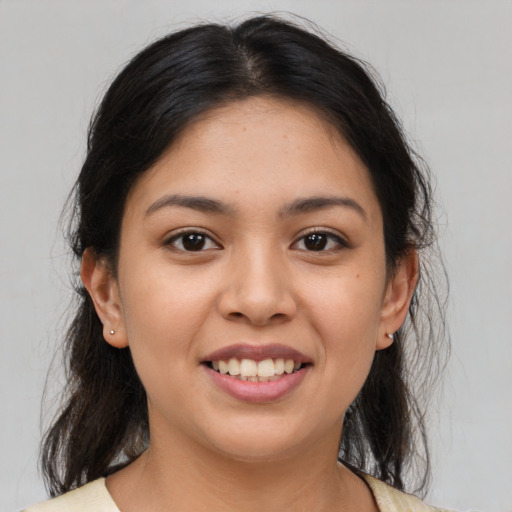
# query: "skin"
{"points": [[255, 281]]}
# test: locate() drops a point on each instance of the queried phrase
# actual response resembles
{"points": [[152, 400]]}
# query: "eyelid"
{"points": [[341, 240], [176, 234]]}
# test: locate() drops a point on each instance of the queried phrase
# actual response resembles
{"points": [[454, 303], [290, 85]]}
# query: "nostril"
{"points": [[255, 319]]}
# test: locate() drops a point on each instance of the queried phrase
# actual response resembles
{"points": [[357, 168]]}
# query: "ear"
{"points": [[397, 297], [97, 276]]}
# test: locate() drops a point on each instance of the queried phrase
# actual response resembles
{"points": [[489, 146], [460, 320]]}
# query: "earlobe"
{"points": [[98, 279], [397, 299]]}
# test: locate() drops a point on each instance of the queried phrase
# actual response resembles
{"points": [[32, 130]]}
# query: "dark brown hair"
{"points": [[103, 422]]}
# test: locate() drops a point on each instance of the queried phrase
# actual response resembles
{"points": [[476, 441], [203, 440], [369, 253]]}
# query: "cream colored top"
{"points": [[94, 497]]}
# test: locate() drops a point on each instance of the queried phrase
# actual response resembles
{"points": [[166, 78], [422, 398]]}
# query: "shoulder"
{"points": [[91, 496], [390, 499]]}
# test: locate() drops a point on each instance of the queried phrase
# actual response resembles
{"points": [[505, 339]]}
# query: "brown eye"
{"points": [[320, 241], [192, 241], [315, 241]]}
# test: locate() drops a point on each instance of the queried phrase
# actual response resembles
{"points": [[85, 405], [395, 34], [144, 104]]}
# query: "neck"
{"points": [[180, 479]]}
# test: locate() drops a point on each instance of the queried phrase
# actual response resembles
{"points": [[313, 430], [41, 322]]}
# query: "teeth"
{"points": [[262, 371], [289, 365], [223, 367], [248, 368], [233, 367], [279, 366], [266, 368]]}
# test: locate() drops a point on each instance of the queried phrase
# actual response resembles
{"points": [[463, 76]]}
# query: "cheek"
{"points": [[345, 313], [162, 299], [348, 305], [163, 312], [162, 319]]}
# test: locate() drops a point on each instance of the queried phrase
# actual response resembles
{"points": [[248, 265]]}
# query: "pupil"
{"points": [[316, 241], [193, 242]]}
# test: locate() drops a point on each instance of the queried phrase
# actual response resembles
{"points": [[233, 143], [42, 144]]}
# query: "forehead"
{"points": [[260, 148]]}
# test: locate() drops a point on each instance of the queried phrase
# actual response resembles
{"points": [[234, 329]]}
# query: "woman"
{"points": [[250, 225]]}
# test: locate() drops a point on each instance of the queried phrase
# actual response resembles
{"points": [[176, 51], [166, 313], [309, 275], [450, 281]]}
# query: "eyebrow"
{"points": [[310, 204], [297, 207], [199, 203]]}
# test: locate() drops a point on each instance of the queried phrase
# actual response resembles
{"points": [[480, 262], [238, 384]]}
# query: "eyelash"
{"points": [[180, 236], [340, 243]]}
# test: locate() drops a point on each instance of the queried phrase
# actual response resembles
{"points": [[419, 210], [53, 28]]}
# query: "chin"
{"points": [[261, 442], [257, 451]]}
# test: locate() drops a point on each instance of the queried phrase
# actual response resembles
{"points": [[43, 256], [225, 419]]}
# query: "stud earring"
{"points": [[389, 335], [112, 332]]}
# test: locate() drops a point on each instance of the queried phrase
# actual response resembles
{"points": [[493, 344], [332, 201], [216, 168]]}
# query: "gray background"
{"points": [[448, 69]]}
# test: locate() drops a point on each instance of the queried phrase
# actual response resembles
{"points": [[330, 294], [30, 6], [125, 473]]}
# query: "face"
{"points": [[255, 247]]}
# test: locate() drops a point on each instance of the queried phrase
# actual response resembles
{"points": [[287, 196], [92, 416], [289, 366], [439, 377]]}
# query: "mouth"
{"points": [[252, 370], [257, 373]]}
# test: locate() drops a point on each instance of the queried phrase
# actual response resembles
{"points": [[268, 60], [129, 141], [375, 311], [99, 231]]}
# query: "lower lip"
{"points": [[258, 392]]}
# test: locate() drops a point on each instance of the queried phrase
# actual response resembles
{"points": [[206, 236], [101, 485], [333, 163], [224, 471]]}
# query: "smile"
{"points": [[256, 371]]}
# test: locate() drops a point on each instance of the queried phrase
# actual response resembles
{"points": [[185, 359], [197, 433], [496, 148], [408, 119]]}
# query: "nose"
{"points": [[258, 289]]}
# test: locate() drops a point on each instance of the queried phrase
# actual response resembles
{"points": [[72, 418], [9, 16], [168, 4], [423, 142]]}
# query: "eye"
{"points": [[320, 241], [192, 241]]}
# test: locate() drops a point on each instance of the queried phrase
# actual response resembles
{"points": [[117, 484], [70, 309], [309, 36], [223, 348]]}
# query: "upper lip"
{"points": [[257, 353]]}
